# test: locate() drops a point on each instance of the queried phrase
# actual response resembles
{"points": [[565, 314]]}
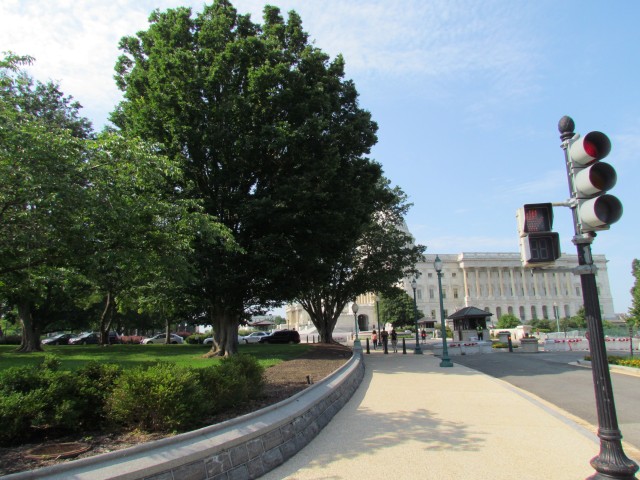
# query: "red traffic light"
{"points": [[590, 148]]}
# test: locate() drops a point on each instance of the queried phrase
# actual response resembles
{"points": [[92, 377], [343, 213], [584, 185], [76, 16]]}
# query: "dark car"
{"points": [[282, 336], [93, 338], [87, 338], [60, 339]]}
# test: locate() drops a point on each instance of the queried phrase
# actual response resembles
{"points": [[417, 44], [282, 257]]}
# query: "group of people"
{"points": [[383, 341]]}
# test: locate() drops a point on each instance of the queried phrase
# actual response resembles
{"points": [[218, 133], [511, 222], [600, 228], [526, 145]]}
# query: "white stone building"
{"points": [[494, 282]]}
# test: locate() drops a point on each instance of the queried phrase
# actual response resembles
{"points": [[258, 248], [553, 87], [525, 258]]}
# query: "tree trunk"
{"points": [[225, 335], [106, 319], [30, 332]]}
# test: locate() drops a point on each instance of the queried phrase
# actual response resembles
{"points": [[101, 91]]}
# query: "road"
{"points": [[550, 376]]}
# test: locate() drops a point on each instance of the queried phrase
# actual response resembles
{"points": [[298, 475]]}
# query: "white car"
{"points": [[161, 338], [253, 337]]}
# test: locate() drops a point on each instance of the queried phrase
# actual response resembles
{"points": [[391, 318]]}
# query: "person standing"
{"points": [[423, 334], [374, 338], [394, 340], [385, 339]]}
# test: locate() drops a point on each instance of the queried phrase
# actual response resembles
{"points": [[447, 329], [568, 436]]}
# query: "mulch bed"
{"points": [[282, 381]]}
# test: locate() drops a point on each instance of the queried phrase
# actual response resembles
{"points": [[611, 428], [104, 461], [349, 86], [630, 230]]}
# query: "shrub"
{"points": [[96, 382], [163, 397], [131, 339], [10, 340], [625, 361], [196, 338]]}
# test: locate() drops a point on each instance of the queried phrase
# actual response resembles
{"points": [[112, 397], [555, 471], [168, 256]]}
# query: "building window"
{"points": [[430, 275], [545, 313], [455, 293], [567, 312], [444, 292], [534, 314], [522, 317], [498, 312], [431, 294], [433, 314], [446, 313], [577, 291], [419, 294], [453, 275]]}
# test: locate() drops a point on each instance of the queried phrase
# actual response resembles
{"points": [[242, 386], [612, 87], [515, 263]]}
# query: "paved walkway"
{"points": [[412, 419]]}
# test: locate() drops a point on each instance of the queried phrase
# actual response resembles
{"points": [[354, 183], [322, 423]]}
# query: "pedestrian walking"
{"points": [[394, 340], [374, 338], [385, 339], [423, 334]]}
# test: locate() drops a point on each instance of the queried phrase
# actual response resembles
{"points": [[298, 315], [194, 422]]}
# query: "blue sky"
{"points": [[467, 95]]}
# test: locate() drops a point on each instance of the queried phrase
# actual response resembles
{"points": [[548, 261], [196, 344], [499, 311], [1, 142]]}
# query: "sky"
{"points": [[467, 96]]}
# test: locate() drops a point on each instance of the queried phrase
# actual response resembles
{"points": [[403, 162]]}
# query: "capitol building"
{"points": [[494, 282]]}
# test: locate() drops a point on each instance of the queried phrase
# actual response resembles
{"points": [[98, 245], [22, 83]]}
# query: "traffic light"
{"points": [[596, 209], [538, 244]]}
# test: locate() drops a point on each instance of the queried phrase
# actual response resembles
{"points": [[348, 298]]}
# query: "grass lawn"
{"points": [[73, 357]]}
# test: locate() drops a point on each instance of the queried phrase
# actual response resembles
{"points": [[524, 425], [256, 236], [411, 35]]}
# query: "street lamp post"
{"points": [[414, 285], [445, 362], [356, 342], [378, 314], [557, 315]]}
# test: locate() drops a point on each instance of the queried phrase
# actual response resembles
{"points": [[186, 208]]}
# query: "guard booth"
{"points": [[469, 324]]}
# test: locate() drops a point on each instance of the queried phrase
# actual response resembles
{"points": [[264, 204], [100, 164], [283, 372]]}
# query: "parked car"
{"points": [[253, 337], [208, 341], [87, 338], [60, 339], [162, 338], [281, 336], [93, 338]]}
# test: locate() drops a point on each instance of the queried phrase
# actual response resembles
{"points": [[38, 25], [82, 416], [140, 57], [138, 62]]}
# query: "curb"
{"points": [[245, 447]]}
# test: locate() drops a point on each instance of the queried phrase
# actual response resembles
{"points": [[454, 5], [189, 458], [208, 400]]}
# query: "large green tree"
{"points": [[508, 320], [397, 307], [262, 122], [369, 251], [41, 151]]}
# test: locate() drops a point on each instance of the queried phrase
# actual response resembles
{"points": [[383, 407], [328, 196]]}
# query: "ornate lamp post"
{"points": [[557, 315], [378, 313], [445, 362], [414, 285], [356, 342]]}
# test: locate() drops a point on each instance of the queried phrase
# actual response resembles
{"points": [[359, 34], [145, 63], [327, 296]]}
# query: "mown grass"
{"points": [[72, 357]]}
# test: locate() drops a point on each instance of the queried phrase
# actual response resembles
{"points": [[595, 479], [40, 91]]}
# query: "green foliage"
{"points": [[161, 398], [40, 398], [237, 379], [508, 320], [397, 307], [196, 338], [624, 361]]}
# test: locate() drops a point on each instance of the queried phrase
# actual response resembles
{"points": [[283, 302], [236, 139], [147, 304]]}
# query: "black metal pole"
{"points": [[417, 350], [611, 462]]}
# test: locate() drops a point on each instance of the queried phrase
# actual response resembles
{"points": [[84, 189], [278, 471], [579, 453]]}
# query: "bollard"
{"points": [[368, 346], [510, 344], [404, 347]]}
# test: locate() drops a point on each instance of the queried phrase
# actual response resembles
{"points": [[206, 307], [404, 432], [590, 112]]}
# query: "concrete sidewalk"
{"points": [[412, 419]]}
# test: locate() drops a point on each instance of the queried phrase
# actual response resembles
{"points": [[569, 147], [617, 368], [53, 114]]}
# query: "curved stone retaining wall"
{"points": [[242, 448]]}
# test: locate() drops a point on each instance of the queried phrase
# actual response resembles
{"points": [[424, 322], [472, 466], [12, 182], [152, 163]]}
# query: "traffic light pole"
{"points": [[611, 462]]}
